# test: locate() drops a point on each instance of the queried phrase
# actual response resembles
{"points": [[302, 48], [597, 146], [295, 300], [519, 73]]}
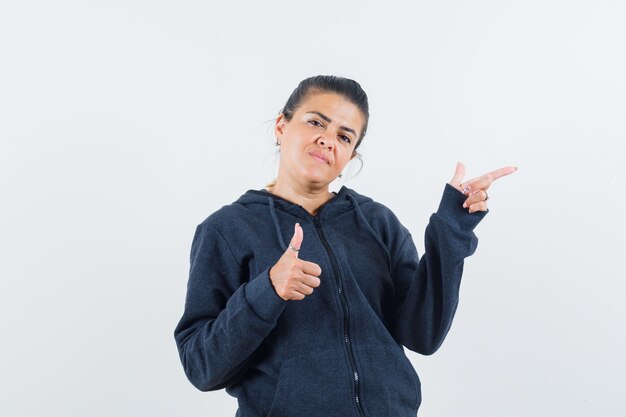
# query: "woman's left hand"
{"points": [[476, 188]]}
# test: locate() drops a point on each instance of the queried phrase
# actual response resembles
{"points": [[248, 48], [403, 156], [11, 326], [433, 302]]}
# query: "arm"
{"points": [[226, 316], [427, 289]]}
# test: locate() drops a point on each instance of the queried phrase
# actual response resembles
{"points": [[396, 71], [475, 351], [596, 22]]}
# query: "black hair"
{"points": [[349, 89]]}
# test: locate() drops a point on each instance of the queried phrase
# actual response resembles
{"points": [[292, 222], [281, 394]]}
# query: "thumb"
{"points": [[459, 173], [296, 240]]}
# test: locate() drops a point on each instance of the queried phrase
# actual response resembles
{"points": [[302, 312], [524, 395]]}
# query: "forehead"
{"points": [[334, 106]]}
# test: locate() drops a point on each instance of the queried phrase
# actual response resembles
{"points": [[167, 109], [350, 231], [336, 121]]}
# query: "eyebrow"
{"points": [[326, 118]]}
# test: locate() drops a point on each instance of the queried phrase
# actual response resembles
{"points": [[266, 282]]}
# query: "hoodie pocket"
{"points": [[391, 386], [314, 384]]}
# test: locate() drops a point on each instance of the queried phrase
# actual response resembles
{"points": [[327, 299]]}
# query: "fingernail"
{"points": [[464, 205]]}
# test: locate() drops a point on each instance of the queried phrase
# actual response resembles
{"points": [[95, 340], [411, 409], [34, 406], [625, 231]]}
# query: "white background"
{"points": [[124, 124]]}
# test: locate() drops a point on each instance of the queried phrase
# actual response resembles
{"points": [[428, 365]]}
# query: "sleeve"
{"points": [[427, 289], [227, 315]]}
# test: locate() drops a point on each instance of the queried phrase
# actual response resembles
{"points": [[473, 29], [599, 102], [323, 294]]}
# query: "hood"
{"points": [[345, 200]]}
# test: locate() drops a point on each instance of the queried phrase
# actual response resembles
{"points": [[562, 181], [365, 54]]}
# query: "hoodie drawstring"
{"points": [[371, 230], [275, 218]]}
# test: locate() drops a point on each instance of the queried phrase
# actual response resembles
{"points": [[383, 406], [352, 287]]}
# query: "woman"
{"points": [[299, 300]]}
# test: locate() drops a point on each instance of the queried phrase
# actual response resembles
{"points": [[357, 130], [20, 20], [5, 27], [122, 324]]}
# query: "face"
{"points": [[319, 140]]}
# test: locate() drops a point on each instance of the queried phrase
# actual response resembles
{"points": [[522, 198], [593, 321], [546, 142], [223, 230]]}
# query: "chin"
{"points": [[317, 173], [318, 181], [316, 178]]}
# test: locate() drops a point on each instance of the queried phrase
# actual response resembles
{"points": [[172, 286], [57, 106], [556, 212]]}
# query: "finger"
{"points": [[311, 280], [296, 240], [311, 268], [459, 173], [484, 181], [499, 173], [480, 206], [298, 288], [476, 197], [302, 288], [298, 296]]}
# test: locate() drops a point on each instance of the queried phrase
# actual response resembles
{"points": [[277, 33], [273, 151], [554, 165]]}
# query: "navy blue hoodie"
{"points": [[339, 351]]}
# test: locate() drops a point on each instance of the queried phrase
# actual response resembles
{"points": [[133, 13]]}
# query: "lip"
{"points": [[320, 157]]}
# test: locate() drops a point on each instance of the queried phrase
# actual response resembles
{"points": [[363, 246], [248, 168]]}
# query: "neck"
{"points": [[309, 197]]}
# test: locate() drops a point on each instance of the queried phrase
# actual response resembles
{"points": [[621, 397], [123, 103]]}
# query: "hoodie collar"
{"points": [[345, 200], [340, 203]]}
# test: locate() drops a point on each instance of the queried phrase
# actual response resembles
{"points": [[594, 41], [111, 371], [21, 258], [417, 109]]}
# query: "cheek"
{"points": [[344, 159], [292, 154]]}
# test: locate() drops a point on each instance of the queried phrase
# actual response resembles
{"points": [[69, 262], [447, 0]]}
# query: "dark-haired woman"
{"points": [[299, 300]]}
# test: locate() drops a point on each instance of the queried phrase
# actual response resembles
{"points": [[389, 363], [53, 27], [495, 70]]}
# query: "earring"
{"points": [[277, 142], [340, 175]]}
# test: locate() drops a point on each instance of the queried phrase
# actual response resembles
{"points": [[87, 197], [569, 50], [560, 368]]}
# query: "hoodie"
{"points": [[339, 351]]}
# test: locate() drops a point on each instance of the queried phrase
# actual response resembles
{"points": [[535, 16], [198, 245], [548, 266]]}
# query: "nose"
{"points": [[325, 142]]}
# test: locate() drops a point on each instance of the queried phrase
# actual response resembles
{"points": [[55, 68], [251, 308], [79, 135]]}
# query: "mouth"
{"points": [[320, 157]]}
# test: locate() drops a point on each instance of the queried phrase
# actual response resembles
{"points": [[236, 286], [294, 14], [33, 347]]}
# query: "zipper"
{"points": [[344, 306]]}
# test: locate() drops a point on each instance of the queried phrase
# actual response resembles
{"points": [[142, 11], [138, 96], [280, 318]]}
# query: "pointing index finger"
{"points": [[484, 181], [499, 173]]}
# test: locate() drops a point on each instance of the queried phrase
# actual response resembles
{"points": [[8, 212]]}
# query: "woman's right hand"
{"points": [[294, 278]]}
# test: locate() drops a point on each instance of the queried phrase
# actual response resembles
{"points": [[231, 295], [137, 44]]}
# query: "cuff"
{"points": [[262, 297], [452, 211]]}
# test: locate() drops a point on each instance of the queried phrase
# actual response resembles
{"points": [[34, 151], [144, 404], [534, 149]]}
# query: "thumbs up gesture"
{"points": [[294, 278]]}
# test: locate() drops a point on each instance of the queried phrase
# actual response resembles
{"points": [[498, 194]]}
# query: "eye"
{"points": [[313, 122], [346, 139]]}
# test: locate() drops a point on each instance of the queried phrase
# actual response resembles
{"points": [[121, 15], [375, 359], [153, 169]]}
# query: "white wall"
{"points": [[123, 124]]}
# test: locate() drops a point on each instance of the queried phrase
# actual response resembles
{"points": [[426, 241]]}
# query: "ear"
{"points": [[280, 124], [354, 153]]}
